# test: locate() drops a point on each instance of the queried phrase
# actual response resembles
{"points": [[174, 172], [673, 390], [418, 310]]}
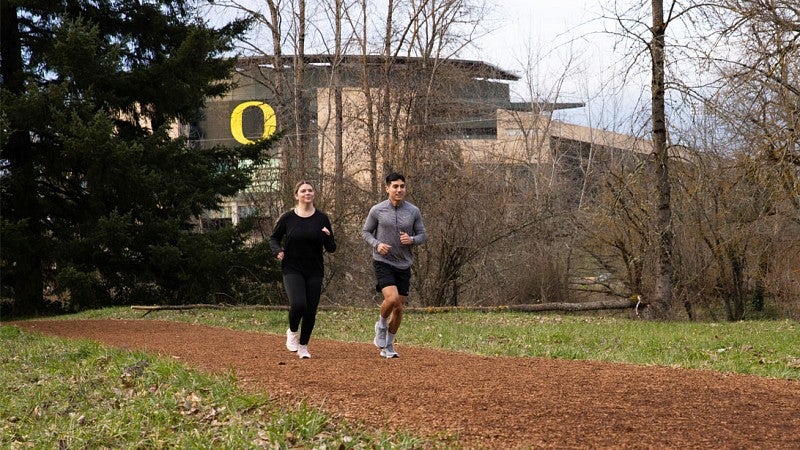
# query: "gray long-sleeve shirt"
{"points": [[384, 224]]}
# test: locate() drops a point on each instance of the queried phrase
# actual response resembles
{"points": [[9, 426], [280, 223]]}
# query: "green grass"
{"points": [[57, 393], [764, 348]]}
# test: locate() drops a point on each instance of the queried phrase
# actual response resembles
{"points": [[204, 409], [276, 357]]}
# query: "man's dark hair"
{"points": [[394, 176]]}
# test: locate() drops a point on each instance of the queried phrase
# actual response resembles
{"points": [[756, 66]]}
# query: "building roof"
{"points": [[479, 69], [543, 106]]}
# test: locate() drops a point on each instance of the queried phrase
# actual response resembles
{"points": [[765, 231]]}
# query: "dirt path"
{"points": [[489, 402]]}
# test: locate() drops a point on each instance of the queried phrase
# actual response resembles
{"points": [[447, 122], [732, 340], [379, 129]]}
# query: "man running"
{"points": [[392, 228]]}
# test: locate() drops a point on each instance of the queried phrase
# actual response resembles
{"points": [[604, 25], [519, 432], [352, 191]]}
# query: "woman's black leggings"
{"points": [[304, 293]]}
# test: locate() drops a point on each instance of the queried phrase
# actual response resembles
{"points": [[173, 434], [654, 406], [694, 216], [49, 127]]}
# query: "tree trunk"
{"points": [[369, 106], [301, 102], [662, 296], [338, 175], [284, 103], [387, 152]]}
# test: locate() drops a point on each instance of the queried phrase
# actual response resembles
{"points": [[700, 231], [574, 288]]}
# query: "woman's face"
{"points": [[304, 194]]}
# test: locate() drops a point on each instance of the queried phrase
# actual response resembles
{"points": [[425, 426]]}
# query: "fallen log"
{"points": [[616, 303], [178, 307]]}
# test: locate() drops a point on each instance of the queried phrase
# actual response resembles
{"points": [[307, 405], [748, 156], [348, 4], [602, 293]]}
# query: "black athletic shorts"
{"points": [[387, 275]]}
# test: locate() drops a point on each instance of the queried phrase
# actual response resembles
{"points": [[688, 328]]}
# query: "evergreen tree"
{"points": [[98, 196]]}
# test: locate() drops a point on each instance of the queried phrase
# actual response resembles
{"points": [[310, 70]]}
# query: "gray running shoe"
{"points": [[388, 352], [380, 335], [292, 340]]}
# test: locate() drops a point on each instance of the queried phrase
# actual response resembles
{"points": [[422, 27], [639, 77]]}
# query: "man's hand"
{"points": [[405, 239], [383, 249]]}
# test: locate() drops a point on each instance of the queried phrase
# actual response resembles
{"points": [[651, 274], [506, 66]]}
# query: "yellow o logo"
{"points": [[270, 123]]}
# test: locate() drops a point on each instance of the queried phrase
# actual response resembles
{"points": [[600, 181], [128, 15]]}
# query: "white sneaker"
{"points": [[388, 352], [380, 335], [292, 340], [302, 352]]}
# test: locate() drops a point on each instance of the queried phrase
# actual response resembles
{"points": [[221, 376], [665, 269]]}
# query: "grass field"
{"points": [[57, 393]]}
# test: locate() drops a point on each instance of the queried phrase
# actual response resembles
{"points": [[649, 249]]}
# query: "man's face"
{"points": [[396, 190]]}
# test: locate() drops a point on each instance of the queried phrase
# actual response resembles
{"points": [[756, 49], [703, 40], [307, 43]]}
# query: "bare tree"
{"points": [[760, 86], [729, 200], [755, 99], [652, 39], [662, 294], [279, 36]]}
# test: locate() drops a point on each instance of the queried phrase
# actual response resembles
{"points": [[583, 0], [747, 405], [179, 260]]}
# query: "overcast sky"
{"points": [[570, 59], [564, 40], [519, 24]]}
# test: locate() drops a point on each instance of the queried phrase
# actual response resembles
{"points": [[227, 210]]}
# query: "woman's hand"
{"points": [[280, 255], [326, 231]]}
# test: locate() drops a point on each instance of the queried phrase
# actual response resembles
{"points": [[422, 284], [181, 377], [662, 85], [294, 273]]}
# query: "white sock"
{"points": [[383, 321], [389, 339]]}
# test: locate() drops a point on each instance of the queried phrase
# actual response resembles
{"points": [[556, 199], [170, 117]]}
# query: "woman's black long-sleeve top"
{"points": [[302, 241]]}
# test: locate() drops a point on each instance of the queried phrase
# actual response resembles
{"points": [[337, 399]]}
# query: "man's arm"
{"points": [[370, 225], [420, 235]]}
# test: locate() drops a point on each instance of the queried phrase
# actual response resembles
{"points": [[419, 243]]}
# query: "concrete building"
{"points": [[473, 110]]}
